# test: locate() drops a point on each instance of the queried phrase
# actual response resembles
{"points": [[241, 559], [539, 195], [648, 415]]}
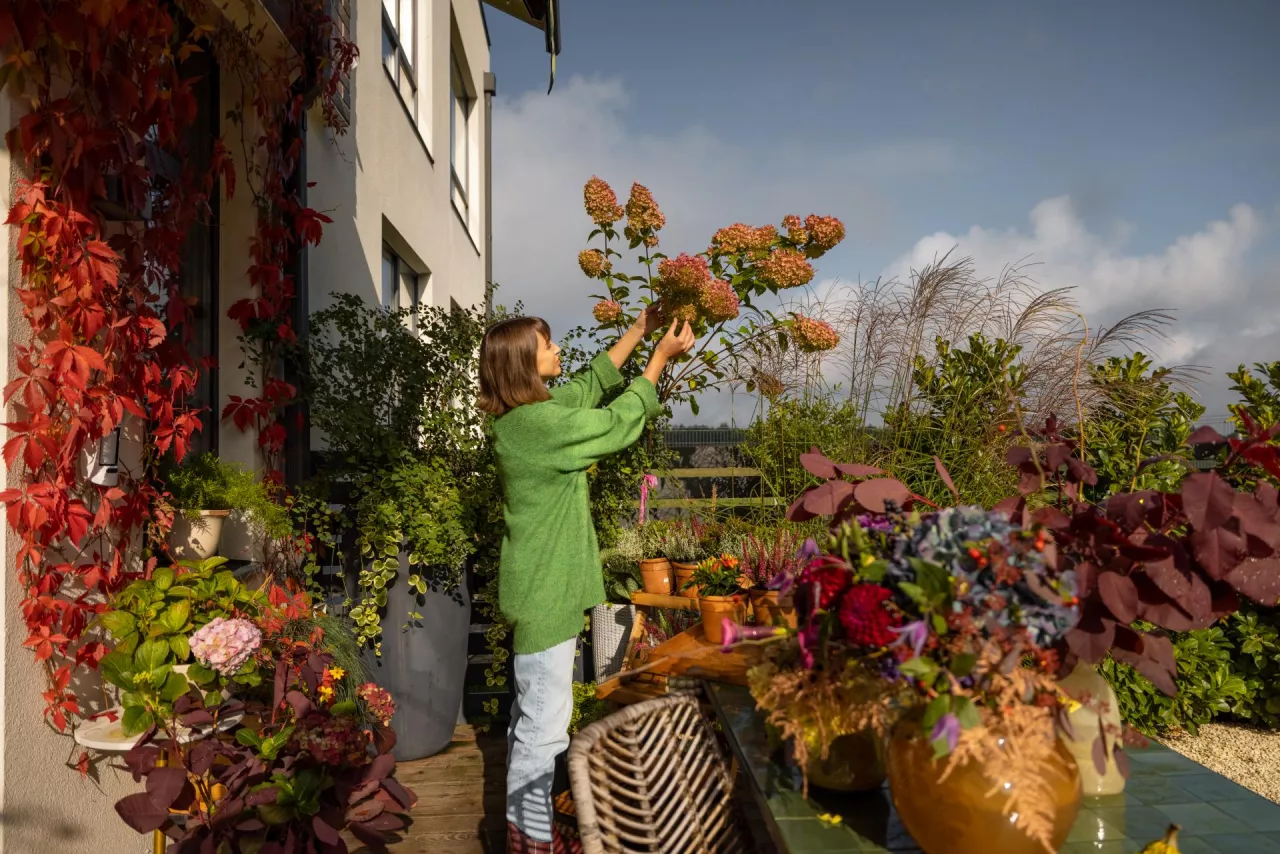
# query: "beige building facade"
{"points": [[407, 188]]}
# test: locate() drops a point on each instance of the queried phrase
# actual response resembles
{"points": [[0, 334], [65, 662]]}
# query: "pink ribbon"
{"points": [[646, 483]]}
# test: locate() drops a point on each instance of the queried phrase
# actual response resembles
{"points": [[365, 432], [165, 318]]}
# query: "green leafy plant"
{"points": [[209, 483], [622, 565], [152, 620], [717, 576], [586, 708]]}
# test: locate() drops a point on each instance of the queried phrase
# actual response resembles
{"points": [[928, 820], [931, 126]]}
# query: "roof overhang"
{"points": [[543, 14]]}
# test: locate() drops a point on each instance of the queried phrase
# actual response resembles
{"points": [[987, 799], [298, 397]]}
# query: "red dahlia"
{"points": [[865, 619], [831, 578]]}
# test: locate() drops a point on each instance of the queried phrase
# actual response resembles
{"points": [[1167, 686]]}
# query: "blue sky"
{"points": [[1131, 148]]}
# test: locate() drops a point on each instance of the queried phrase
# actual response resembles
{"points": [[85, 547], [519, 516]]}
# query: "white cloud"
{"points": [[1223, 304]]}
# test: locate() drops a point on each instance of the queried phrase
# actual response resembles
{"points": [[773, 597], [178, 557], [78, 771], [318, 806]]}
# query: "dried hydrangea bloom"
{"points": [[606, 311], [718, 300], [825, 232], [601, 202], [796, 232], [769, 385], [741, 238], [812, 335], [785, 268], [682, 311], [681, 279], [593, 262], [642, 210]]}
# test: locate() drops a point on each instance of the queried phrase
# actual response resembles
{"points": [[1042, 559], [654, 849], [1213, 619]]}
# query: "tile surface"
{"points": [[1217, 815]]}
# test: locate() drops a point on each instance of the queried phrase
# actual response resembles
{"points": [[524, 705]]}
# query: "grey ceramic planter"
{"points": [[424, 666]]}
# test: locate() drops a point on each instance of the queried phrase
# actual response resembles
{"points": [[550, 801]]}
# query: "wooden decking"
{"points": [[461, 796]]}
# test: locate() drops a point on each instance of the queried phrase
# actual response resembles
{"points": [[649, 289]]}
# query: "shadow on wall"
{"points": [[39, 825]]}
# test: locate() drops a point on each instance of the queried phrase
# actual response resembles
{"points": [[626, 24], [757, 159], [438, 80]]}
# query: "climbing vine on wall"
{"points": [[104, 93]]}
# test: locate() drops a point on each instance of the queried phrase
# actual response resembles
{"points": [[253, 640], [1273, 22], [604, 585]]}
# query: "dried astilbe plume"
{"points": [[814, 707]]}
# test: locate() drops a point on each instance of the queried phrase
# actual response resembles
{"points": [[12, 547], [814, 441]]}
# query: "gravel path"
{"points": [[1249, 756]]}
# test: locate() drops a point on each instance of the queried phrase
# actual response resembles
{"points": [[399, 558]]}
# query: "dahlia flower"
{"points": [[606, 311], [864, 617], [225, 645], [812, 335], [642, 210], [785, 268], [601, 202], [718, 300], [592, 262]]}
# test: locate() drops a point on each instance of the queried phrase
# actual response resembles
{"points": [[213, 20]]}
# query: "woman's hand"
{"points": [[678, 340], [650, 319]]}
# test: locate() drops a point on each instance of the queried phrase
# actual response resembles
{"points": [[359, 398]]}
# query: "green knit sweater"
{"points": [[550, 571]]}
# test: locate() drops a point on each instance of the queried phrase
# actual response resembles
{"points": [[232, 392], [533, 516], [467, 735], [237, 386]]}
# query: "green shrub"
{"points": [[208, 483], [586, 708]]}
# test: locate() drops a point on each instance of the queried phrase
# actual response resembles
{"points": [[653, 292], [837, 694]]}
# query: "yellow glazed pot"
{"points": [[855, 763]]}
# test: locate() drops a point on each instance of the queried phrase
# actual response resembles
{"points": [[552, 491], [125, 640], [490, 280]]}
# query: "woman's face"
{"points": [[548, 358]]}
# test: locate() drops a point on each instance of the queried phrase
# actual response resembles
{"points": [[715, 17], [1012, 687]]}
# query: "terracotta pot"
{"points": [[684, 574], [197, 540], [770, 609], [656, 573], [1086, 680], [716, 609], [956, 815], [855, 763]]}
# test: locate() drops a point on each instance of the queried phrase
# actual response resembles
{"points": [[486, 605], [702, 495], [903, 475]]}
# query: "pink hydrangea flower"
{"points": [[606, 311], [718, 301], [796, 231], [592, 262], [812, 335], [682, 311], [601, 202], [785, 268], [825, 232], [682, 277], [225, 645], [642, 210]]}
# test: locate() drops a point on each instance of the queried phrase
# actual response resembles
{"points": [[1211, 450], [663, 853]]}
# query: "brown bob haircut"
{"points": [[509, 365]]}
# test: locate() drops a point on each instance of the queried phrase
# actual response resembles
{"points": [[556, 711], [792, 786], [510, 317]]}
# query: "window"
{"points": [[340, 12], [460, 137], [399, 53], [402, 286]]}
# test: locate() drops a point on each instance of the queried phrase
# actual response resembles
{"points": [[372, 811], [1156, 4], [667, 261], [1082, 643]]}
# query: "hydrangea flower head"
{"points": [[824, 233], [681, 279], [606, 311], [592, 262], [785, 268], [225, 645], [812, 335], [741, 238], [718, 300], [796, 232], [601, 202], [642, 210]]}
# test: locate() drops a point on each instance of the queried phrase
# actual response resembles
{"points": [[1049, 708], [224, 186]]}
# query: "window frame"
{"points": [[407, 285], [460, 136], [403, 49]]}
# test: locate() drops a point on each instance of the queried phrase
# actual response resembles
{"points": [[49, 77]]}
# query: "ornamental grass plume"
{"points": [[642, 210], [606, 311], [812, 335], [593, 262], [601, 202], [785, 268], [718, 301], [225, 645], [825, 233]]}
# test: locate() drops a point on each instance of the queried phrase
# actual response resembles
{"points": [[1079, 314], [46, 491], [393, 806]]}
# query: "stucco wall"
{"points": [[388, 178], [45, 807]]}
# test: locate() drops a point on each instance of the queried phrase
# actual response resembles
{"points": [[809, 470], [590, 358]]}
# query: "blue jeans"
{"points": [[539, 733]]}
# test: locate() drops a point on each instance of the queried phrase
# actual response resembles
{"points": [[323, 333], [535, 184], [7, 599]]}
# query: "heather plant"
{"points": [[717, 290]]}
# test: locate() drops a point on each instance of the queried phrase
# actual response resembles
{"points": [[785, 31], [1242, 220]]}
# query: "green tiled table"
{"points": [[1217, 816]]}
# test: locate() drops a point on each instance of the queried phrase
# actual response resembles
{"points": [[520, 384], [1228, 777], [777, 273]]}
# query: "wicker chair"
{"points": [[651, 778]]}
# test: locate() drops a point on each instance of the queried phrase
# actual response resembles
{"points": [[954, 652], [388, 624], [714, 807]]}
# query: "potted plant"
{"points": [[412, 473], [204, 491], [766, 558], [655, 567], [684, 545], [612, 620], [720, 596]]}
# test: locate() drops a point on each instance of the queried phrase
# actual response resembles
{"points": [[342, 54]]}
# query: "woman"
{"points": [[550, 565]]}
